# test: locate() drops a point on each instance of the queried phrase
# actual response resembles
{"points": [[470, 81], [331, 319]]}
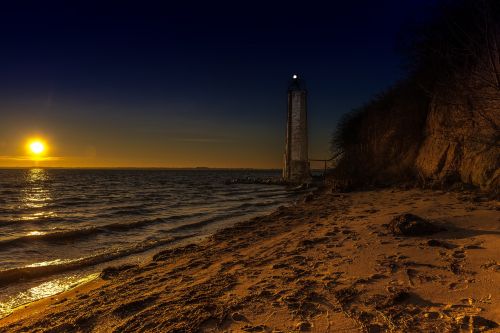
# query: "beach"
{"points": [[328, 263]]}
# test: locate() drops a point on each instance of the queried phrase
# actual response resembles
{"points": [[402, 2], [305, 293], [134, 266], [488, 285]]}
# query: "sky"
{"points": [[187, 83]]}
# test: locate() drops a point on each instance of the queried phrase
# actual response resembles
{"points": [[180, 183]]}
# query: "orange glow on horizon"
{"points": [[121, 150]]}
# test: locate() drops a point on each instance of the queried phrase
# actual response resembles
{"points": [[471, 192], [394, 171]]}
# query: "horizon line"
{"points": [[134, 167]]}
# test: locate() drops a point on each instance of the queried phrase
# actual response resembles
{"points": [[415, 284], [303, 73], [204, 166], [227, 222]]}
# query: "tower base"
{"points": [[297, 172]]}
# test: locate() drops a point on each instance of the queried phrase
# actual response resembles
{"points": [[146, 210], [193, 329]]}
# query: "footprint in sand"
{"points": [[491, 265], [238, 317], [258, 328], [440, 243], [459, 254]]}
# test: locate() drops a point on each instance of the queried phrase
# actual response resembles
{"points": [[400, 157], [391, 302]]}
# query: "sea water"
{"points": [[60, 227]]}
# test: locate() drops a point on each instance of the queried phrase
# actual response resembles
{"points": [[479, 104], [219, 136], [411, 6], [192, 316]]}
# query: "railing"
{"points": [[325, 161]]}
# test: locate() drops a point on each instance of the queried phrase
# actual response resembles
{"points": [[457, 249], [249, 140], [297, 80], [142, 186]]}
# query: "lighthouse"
{"points": [[296, 161]]}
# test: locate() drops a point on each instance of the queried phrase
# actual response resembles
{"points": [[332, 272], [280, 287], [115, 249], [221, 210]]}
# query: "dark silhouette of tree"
{"points": [[457, 58]]}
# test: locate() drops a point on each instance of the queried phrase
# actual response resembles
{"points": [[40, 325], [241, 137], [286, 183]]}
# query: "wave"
{"points": [[221, 217], [247, 205], [71, 201], [270, 194], [252, 191], [74, 234], [132, 211], [38, 220], [44, 269], [66, 235], [252, 196]]}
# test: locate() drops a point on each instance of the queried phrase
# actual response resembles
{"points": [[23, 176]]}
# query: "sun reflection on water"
{"points": [[43, 290], [36, 233], [36, 216], [36, 195], [49, 262]]}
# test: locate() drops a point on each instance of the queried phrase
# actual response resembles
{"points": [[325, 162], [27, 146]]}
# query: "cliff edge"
{"points": [[439, 126]]}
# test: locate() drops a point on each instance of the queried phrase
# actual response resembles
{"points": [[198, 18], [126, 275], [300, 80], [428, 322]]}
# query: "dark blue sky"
{"points": [[187, 83]]}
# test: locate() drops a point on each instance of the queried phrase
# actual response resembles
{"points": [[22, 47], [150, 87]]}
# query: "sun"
{"points": [[36, 147]]}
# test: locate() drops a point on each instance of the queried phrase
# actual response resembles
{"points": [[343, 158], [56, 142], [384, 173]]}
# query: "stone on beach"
{"points": [[412, 225]]}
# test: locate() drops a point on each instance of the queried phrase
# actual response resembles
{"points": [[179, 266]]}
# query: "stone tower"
{"points": [[296, 168]]}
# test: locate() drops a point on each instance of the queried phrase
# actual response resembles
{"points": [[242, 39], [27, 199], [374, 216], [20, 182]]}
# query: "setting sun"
{"points": [[36, 147]]}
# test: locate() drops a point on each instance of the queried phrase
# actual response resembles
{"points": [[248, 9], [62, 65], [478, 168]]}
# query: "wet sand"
{"points": [[327, 264]]}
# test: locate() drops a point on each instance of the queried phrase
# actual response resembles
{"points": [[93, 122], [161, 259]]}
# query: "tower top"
{"points": [[296, 83]]}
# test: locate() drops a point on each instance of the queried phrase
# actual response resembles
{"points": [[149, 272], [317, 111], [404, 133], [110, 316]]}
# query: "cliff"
{"points": [[439, 126], [461, 140]]}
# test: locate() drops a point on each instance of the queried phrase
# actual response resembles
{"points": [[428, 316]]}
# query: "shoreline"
{"points": [[325, 264], [28, 309]]}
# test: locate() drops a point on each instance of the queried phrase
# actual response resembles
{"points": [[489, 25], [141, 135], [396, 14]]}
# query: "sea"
{"points": [[61, 227]]}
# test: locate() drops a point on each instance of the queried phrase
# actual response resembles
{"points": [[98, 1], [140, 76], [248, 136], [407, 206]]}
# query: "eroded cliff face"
{"points": [[451, 138], [441, 125], [461, 141]]}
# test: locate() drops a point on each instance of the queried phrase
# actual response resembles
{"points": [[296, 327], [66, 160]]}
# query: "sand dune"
{"points": [[326, 264]]}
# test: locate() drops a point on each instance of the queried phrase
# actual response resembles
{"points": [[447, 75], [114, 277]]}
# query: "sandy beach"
{"points": [[326, 264]]}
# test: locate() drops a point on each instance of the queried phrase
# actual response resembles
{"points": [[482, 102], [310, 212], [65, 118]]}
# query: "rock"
{"points": [[412, 225]]}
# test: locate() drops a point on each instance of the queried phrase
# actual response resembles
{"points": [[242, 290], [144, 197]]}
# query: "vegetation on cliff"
{"points": [[440, 125]]}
